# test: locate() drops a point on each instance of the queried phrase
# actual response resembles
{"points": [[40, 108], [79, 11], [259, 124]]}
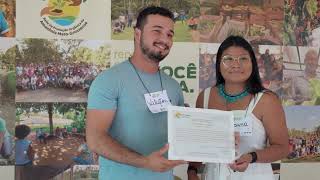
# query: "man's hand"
{"points": [[192, 175], [156, 162]]}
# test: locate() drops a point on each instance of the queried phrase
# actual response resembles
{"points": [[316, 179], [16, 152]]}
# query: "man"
{"points": [[301, 90], [267, 62], [4, 27], [126, 119]]}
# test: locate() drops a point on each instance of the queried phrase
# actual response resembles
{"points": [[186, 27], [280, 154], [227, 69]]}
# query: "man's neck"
{"points": [[144, 64]]}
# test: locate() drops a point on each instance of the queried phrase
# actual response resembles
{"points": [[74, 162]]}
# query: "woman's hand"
{"points": [[242, 163]]}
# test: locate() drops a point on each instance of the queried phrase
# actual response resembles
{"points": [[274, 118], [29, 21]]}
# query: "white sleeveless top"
{"points": [[258, 140]]}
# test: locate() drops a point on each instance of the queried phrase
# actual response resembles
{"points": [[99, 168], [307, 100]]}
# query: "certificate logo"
{"points": [[61, 17], [179, 115]]}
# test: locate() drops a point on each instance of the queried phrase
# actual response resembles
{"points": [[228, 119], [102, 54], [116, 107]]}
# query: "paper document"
{"points": [[201, 135]]}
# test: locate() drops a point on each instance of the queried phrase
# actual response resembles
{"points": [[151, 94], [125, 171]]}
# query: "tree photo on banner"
{"points": [[7, 104], [59, 70], [186, 14], [302, 23], [57, 136]]}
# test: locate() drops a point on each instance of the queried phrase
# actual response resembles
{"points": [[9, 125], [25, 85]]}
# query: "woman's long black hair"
{"points": [[253, 83]]}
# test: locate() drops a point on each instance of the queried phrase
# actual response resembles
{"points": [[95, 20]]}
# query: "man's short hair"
{"points": [[154, 10]]}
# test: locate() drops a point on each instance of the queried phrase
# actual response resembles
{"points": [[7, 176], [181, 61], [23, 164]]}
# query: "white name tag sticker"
{"points": [[242, 124], [157, 101]]}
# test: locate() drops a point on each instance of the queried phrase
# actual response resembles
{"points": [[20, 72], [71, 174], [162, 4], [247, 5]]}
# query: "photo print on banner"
{"points": [[260, 22], [186, 15], [7, 18], [302, 23], [304, 134], [56, 133], [207, 65], [7, 104], [301, 75], [66, 19], [59, 70], [270, 63]]}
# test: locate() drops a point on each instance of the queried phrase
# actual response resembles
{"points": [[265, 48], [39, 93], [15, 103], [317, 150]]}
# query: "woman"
{"points": [[239, 89]]}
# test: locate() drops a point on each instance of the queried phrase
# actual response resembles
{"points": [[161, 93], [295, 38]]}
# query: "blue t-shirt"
{"points": [[22, 146], [134, 126], [4, 27]]}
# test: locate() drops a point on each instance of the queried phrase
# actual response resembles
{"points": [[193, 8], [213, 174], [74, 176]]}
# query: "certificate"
{"points": [[201, 135]]}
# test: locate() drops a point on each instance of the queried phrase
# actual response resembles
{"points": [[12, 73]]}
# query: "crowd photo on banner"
{"points": [[304, 141], [65, 71]]}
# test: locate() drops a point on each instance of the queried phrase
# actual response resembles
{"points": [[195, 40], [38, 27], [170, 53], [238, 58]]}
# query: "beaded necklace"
{"points": [[231, 98]]}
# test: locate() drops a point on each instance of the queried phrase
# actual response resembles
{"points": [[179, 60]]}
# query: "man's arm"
{"points": [[100, 142]]}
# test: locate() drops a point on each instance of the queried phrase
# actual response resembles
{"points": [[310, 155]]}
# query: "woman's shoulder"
{"points": [[200, 99], [269, 99]]}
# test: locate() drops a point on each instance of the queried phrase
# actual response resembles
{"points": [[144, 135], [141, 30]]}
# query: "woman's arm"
{"points": [[273, 119], [274, 122]]}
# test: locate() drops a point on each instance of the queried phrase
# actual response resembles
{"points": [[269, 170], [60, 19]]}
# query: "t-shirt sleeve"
{"points": [[181, 98], [103, 93]]}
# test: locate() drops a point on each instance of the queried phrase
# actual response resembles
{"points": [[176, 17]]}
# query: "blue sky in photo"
{"points": [[302, 117]]}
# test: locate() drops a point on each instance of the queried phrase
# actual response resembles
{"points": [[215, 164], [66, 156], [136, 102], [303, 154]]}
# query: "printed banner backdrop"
{"points": [[64, 19], [181, 64], [285, 36]]}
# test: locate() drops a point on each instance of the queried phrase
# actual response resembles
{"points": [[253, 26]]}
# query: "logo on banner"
{"points": [[60, 17]]}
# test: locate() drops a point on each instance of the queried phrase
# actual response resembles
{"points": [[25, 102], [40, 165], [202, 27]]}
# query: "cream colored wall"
{"points": [[300, 171], [7, 172]]}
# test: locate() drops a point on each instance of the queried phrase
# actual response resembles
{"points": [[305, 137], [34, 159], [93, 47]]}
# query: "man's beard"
{"points": [[152, 55]]}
